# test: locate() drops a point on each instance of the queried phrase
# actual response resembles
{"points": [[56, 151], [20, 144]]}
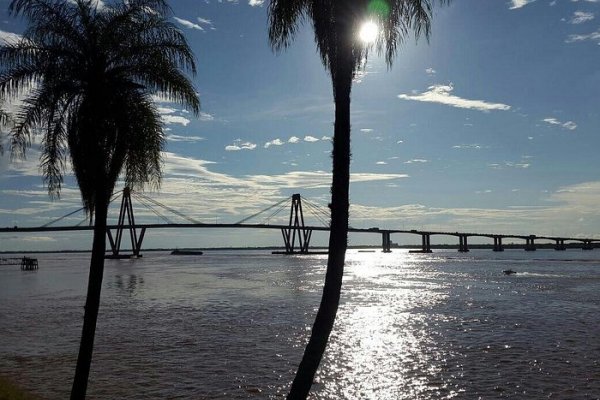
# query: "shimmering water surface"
{"points": [[232, 325]]}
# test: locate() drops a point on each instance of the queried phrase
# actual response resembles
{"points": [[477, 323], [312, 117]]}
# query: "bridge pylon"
{"points": [[296, 229], [126, 212]]}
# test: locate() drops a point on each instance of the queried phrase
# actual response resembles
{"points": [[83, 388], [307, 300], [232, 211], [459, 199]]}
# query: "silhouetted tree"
{"points": [[86, 71], [336, 25]]}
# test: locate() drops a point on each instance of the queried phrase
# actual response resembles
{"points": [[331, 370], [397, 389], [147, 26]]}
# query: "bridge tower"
{"points": [[296, 229], [126, 211]]}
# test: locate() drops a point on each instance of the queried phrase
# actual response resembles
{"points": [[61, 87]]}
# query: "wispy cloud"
{"points": [[430, 71], [584, 37], [515, 4], [472, 146], [441, 94], [256, 3], [294, 139], [179, 138], [416, 161], [570, 125], [579, 17], [310, 139]]}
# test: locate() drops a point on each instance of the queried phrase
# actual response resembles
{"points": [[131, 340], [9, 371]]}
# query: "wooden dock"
{"points": [[29, 264]]}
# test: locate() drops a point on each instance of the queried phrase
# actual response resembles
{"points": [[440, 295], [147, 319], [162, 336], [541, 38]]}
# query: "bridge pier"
{"points": [[498, 243], [587, 245], [530, 245], [560, 245], [136, 242], [296, 229], [386, 242], [462, 244], [425, 244]]}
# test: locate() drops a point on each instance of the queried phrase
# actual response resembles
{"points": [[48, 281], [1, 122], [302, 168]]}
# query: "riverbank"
{"points": [[11, 391]]}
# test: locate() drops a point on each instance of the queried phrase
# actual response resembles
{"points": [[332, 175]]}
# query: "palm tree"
{"points": [[86, 72], [336, 26]]}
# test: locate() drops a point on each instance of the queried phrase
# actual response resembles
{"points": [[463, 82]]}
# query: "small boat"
{"points": [[178, 252], [509, 272]]}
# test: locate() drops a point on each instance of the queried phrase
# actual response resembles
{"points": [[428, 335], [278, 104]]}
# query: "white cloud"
{"points": [[179, 138], [441, 94], [275, 142], [570, 125], [510, 164], [579, 17], [514, 4], [310, 139], [381, 163], [326, 138], [474, 146], [175, 119], [256, 3], [430, 71], [239, 145], [9, 37], [366, 130], [294, 139], [188, 24], [416, 160]]}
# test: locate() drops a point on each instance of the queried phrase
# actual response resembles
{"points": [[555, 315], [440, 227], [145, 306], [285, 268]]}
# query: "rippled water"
{"points": [[229, 325]]}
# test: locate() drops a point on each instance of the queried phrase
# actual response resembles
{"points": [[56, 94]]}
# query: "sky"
{"points": [[493, 125]]}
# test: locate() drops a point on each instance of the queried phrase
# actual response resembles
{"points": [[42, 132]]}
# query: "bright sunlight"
{"points": [[368, 32]]}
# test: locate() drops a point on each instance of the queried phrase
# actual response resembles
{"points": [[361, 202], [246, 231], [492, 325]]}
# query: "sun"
{"points": [[368, 32]]}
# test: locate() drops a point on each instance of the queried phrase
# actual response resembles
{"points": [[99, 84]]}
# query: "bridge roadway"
{"points": [[587, 243]]}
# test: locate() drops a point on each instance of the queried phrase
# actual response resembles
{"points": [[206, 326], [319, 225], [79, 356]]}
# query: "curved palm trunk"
{"points": [[338, 236], [92, 302]]}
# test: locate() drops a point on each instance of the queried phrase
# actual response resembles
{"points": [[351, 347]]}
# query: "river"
{"points": [[233, 324]]}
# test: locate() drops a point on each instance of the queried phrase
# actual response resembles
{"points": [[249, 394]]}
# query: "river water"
{"points": [[232, 325]]}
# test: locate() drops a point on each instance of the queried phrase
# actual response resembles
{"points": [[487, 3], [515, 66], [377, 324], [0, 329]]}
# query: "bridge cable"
{"points": [[164, 206], [75, 212], [262, 211], [151, 208]]}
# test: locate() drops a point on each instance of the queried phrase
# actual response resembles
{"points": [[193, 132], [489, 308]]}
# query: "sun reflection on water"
{"points": [[384, 345]]}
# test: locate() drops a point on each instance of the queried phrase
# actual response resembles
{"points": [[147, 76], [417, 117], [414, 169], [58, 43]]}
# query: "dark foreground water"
{"points": [[231, 325]]}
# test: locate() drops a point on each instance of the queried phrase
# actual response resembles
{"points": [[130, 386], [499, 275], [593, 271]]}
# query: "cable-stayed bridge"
{"points": [[295, 232]]}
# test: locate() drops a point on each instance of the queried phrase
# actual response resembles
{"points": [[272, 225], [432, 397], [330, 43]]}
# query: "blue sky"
{"points": [[492, 126]]}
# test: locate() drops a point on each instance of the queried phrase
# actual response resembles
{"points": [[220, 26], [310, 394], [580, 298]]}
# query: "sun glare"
{"points": [[368, 32]]}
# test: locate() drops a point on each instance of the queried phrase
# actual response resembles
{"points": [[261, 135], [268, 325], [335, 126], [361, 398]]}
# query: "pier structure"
{"points": [[560, 245], [462, 244], [587, 245], [498, 243], [530, 243], [386, 242]]}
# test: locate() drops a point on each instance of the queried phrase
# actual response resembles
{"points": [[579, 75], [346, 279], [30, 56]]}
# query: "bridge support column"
{"points": [[136, 242], [296, 229], [530, 245], [587, 245], [425, 243], [560, 245], [498, 243], [462, 244], [386, 242]]}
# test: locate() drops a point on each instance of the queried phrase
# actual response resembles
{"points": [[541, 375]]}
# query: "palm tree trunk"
{"points": [[338, 236], [92, 302]]}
